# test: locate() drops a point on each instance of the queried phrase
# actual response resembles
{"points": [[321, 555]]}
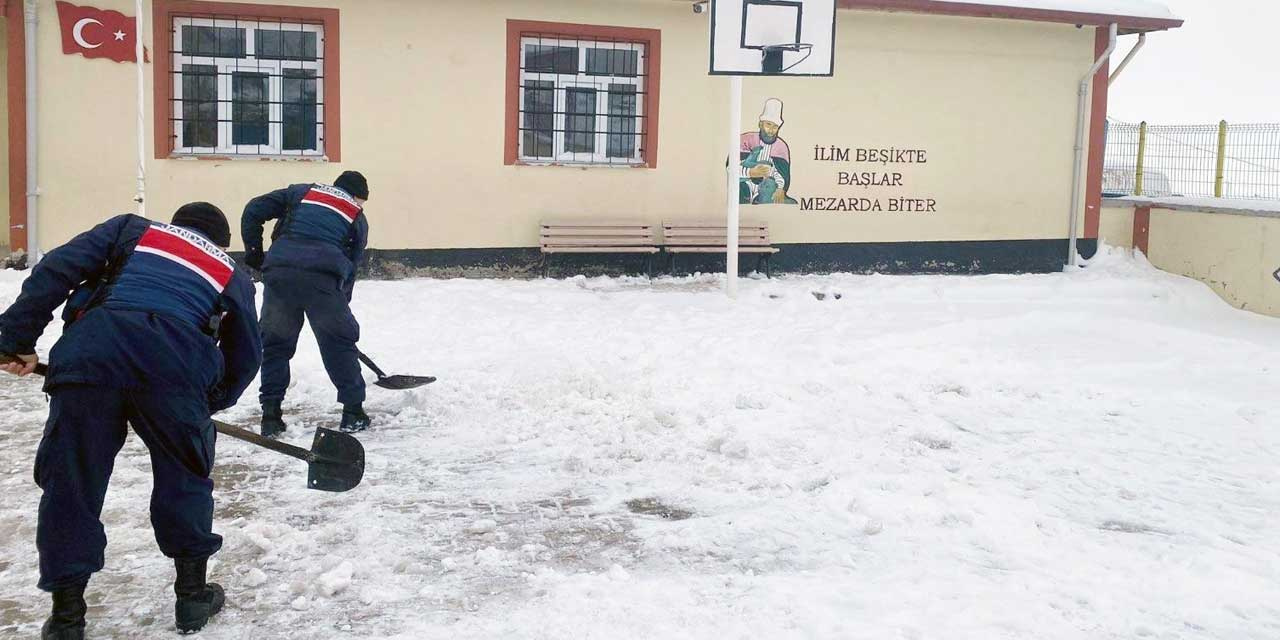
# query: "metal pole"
{"points": [[1142, 159], [139, 58], [731, 193], [33, 137], [1222, 159]]}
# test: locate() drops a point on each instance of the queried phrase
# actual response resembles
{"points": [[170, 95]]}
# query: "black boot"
{"points": [[197, 600], [354, 419], [272, 419], [67, 620]]}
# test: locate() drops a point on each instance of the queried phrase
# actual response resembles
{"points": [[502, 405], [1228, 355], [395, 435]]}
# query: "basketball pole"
{"points": [[733, 169]]}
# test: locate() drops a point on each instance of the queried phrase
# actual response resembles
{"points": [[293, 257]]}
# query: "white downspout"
{"points": [[1142, 40], [33, 139], [1076, 172], [139, 57]]}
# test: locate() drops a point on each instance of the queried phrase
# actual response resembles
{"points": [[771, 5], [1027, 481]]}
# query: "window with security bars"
{"points": [[581, 100], [248, 87]]}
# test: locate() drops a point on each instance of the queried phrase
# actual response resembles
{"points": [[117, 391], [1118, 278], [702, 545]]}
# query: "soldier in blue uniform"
{"points": [[161, 333], [310, 272]]}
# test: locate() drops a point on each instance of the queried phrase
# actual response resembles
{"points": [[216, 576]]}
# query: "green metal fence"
{"points": [[1220, 161]]}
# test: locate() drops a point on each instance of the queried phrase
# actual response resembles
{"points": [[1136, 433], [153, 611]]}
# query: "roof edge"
{"points": [[1128, 24]]}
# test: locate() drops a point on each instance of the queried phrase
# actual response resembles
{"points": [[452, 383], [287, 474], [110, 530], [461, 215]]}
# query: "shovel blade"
{"points": [[339, 463], [401, 383]]}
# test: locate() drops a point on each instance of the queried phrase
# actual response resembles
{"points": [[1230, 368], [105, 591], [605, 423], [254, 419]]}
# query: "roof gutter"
{"points": [[1076, 172]]}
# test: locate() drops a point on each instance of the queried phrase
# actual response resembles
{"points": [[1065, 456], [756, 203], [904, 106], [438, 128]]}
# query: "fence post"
{"points": [[1142, 154], [1222, 159]]}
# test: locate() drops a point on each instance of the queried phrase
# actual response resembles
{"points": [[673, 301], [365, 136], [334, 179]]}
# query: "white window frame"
{"points": [[249, 64], [584, 80]]}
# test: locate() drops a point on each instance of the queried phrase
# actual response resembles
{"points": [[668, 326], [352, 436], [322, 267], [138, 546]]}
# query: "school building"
{"points": [[944, 141]]}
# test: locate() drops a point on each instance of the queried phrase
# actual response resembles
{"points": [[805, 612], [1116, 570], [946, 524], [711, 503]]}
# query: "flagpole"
{"points": [[139, 58]]}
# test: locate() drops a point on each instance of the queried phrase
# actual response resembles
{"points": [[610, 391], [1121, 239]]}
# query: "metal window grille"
{"points": [[1223, 160], [582, 100], [247, 87]]}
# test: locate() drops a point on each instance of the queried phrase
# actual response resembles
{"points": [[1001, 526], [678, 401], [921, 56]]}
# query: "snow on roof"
{"points": [[1128, 8], [1131, 15], [1262, 208]]}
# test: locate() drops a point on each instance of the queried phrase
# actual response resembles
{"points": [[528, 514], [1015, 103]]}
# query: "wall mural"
{"points": [[765, 171], [872, 179]]}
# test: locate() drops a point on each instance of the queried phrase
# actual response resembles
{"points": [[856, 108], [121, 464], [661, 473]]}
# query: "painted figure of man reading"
{"points": [[765, 173]]}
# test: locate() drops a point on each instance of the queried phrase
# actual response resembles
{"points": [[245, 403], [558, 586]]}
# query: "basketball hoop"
{"points": [[771, 60], [773, 37]]}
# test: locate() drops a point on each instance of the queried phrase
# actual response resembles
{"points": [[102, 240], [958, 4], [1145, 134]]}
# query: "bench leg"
{"points": [[648, 265], [546, 261]]}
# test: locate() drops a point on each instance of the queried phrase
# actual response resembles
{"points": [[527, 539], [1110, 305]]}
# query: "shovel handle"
{"points": [[369, 363], [267, 443], [42, 369]]}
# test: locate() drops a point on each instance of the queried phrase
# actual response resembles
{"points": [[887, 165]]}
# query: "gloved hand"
{"points": [[254, 257]]}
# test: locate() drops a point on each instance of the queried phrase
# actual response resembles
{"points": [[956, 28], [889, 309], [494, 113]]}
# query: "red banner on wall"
{"points": [[97, 33]]}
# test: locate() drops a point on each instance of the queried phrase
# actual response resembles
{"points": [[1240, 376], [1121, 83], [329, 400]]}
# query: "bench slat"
{"points": [[593, 242], [600, 249], [596, 223], [721, 249], [714, 224], [597, 231], [714, 240]]}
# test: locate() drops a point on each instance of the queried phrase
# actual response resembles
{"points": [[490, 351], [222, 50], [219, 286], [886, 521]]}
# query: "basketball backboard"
{"points": [[773, 37]]}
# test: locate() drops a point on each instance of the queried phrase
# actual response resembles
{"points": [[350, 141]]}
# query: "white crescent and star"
{"points": [[78, 33]]}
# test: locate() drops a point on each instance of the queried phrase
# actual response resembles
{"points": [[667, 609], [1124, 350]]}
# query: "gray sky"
{"points": [[1223, 64]]}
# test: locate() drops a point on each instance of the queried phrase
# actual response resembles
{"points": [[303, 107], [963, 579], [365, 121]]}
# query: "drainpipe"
{"points": [[139, 57], [33, 139], [1142, 39], [1076, 174]]}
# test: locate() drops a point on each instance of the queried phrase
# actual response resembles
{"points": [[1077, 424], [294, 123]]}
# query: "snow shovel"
{"points": [[335, 462], [395, 383]]}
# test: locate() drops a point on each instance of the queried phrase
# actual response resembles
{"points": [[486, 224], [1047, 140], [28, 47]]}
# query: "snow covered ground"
{"points": [[1072, 456]]}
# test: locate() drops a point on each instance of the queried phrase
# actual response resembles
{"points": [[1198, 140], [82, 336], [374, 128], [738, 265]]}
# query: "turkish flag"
{"points": [[97, 33]]}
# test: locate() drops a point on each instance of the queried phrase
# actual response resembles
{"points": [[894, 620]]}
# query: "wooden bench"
{"points": [[598, 236], [706, 236]]}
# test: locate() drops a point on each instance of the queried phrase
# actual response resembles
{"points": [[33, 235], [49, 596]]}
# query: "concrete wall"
{"points": [[1116, 226], [1234, 253], [990, 101]]}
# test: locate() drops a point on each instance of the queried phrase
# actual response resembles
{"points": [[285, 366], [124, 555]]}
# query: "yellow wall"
{"points": [[1116, 226], [1234, 254], [992, 102]]}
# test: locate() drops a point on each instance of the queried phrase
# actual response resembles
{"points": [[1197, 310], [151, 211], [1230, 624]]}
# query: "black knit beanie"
{"points": [[353, 183], [207, 219]]}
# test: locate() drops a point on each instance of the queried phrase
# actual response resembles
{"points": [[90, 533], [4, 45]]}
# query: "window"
{"points": [[261, 81], [581, 95]]}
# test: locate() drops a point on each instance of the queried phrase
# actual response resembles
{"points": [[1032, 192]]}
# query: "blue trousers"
{"points": [[86, 428], [290, 296]]}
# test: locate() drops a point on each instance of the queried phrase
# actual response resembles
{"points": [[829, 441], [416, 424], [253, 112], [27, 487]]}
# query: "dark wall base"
{"points": [[978, 257]]}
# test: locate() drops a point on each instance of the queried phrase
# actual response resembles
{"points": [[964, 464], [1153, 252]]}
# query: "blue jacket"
{"points": [[321, 229], [155, 289]]}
